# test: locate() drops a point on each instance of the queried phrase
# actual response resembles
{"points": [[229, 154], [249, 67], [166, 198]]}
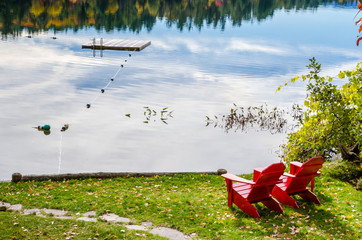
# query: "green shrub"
{"points": [[343, 170], [359, 184], [332, 115]]}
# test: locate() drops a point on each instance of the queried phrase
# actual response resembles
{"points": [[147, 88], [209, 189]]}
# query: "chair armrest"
{"points": [[288, 175], [299, 164], [295, 166], [232, 177]]}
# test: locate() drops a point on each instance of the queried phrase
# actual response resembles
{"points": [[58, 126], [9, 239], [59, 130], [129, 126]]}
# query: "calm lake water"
{"points": [[198, 64]]}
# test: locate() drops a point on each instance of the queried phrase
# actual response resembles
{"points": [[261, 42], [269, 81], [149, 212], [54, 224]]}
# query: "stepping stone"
{"points": [[147, 224], [87, 219], [89, 214], [136, 227], [54, 212], [16, 207], [4, 206], [34, 211], [114, 218], [169, 233]]}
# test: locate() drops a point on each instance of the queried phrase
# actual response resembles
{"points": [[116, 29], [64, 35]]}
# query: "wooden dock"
{"points": [[117, 44]]}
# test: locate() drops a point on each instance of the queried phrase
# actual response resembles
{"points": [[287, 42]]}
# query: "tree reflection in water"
{"points": [[136, 15], [260, 118]]}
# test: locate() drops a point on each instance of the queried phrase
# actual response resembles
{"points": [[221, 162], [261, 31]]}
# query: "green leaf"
{"points": [[306, 103], [341, 75], [295, 79]]}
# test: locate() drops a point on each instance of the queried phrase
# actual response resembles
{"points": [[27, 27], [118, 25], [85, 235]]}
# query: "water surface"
{"points": [[197, 70]]}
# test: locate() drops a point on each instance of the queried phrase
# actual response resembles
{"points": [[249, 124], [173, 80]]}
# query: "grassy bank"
{"points": [[189, 203]]}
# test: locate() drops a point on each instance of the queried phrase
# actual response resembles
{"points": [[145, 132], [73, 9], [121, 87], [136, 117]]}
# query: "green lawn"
{"points": [[190, 203]]}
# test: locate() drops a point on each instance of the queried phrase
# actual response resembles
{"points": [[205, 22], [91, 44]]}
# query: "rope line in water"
{"points": [[88, 106], [108, 84]]}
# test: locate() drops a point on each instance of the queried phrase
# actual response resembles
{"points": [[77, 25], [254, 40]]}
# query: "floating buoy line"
{"points": [[88, 105], [46, 128]]}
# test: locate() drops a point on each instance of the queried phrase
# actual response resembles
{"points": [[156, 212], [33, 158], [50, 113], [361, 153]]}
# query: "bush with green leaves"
{"points": [[332, 115], [359, 184], [344, 170]]}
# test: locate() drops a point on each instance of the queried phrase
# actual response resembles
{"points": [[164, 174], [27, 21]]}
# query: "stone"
{"points": [[15, 208], [31, 211], [221, 171], [5, 204], [3, 208], [87, 219], [114, 218], [89, 214], [34, 211], [16, 177], [147, 224], [169, 233], [54, 212], [136, 227]]}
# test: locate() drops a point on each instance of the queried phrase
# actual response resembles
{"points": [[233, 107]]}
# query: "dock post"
{"points": [[101, 47], [94, 47]]}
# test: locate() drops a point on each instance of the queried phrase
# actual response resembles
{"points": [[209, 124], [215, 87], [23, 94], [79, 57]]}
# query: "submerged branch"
{"points": [[260, 118]]}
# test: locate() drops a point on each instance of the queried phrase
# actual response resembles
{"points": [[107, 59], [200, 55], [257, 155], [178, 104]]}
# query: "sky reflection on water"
{"points": [[195, 74]]}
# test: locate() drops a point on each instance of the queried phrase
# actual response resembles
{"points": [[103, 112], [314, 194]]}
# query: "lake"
{"points": [[204, 57]]}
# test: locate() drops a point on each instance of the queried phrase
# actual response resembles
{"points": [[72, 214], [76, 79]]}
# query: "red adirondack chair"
{"points": [[245, 192], [301, 174]]}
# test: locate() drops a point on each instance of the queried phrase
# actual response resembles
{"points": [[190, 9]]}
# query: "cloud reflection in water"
{"points": [[46, 81]]}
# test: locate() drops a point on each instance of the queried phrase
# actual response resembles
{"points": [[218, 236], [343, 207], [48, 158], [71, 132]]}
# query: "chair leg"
{"points": [[283, 197], [230, 198], [230, 191], [309, 196], [244, 205], [273, 205], [312, 185]]}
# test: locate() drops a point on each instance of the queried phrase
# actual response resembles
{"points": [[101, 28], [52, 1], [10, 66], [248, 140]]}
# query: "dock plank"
{"points": [[117, 44]]}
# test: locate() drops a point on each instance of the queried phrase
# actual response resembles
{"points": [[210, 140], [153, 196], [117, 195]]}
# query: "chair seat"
{"points": [[284, 186], [242, 189]]}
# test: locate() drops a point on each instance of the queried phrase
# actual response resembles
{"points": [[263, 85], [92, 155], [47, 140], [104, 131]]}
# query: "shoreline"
{"points": [[18, 177]]}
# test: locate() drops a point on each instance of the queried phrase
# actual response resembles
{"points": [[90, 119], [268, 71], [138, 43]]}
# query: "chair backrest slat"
{"points": [[264, 184], [310, 167], [306, 172]]}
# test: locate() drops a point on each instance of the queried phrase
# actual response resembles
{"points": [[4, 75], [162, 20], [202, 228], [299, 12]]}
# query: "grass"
{"points": [[16, 226], [190, 203]]}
